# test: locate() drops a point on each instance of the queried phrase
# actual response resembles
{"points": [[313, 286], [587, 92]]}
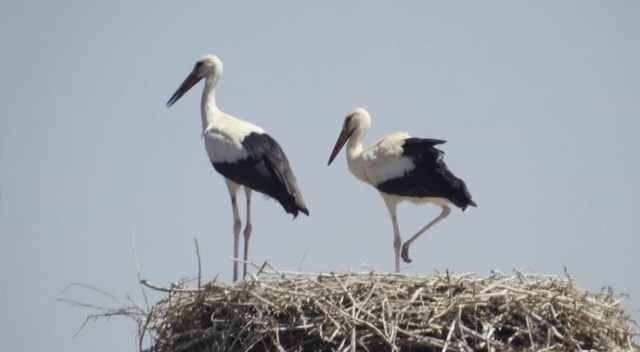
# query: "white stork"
{"points": [[243, 153], [401, 168]]}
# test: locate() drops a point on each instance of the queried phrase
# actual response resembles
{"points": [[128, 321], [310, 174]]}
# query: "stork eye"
{"points": [[347, 121]]}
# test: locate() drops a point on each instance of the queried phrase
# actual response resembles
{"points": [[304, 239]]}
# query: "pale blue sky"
{"points": [[539, 102]]}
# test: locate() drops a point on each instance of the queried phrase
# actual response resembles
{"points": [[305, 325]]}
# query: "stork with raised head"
{"points": [[401, 168], [243, 153]]}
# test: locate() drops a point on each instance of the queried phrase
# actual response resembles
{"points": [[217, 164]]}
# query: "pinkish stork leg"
{"points": [[405, 247], [237, 225], [247, 231], [392, 205]]}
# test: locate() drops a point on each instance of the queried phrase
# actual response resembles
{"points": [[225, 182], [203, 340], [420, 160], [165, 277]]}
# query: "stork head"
{"points": [[209, 67], [357, 120]]}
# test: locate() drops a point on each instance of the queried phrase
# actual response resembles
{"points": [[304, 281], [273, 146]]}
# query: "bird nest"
{"points": [[374, 311]]}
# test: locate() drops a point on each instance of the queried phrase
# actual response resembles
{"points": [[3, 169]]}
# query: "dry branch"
{"points": [[287, 311]]}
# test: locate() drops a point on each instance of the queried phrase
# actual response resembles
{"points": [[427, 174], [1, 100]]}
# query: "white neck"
{"points": [[354, 156], [209, 109], [354, 145]]}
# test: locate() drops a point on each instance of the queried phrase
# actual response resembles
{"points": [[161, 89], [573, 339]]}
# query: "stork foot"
{"points": [[405, 253]]}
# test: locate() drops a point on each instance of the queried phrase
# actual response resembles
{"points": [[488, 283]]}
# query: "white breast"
{"points": [[223, 140], [382, 161]]}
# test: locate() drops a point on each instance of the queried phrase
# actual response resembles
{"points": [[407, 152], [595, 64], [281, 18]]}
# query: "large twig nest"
{"points": [[283, 311]]}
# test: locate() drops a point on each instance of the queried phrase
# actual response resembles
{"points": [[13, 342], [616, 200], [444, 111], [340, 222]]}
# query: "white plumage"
{"points": [[383, 160], [401, 168], [243, 153], [224, 135]]}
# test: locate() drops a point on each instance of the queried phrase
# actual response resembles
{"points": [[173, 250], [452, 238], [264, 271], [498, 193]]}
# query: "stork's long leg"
{"points": [[392, 205], [237, 225], [247, 231], [396, 240], [405, 247]]}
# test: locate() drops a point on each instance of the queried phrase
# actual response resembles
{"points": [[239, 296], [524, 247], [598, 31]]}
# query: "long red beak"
{"points": [[189, 82], [342, 139]]}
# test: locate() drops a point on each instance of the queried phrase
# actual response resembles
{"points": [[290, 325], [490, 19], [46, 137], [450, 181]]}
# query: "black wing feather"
{"points": [[266, 170], [430, 177]]}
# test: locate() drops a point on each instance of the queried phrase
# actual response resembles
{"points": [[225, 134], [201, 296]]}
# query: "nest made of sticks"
{"points": [[374, 311]]}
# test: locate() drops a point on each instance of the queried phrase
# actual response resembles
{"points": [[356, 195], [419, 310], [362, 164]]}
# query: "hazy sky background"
{"points": [[539, 102]]}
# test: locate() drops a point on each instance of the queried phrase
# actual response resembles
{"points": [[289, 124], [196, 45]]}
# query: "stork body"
{"points": [[401, 168], [243, 153]]}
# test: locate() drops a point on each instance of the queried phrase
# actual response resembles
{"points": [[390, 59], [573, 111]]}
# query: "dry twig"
{"points": [[285, 311]]}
